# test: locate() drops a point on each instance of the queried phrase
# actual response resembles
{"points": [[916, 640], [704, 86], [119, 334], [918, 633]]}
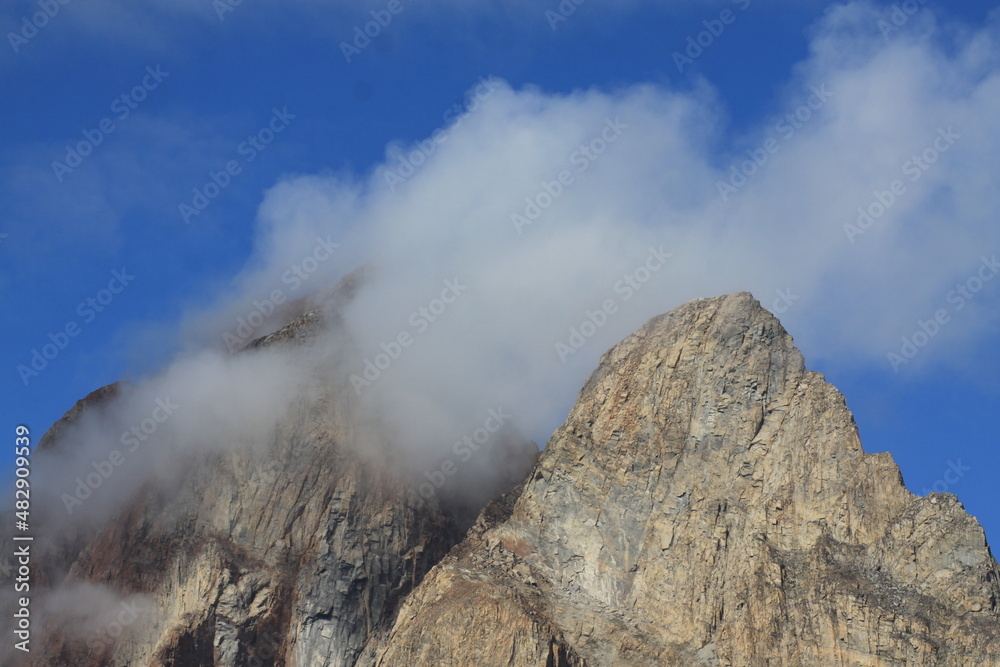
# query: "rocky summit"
{"points": [[706, 502]]}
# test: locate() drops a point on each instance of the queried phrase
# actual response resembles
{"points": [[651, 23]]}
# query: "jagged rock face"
{"points": [[295, 551], [293, 554], [707, 502]]}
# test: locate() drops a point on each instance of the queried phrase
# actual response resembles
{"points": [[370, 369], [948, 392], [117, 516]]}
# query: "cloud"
{"points": [[95, 613], [511, 248], [481, 207], [200, 404]]}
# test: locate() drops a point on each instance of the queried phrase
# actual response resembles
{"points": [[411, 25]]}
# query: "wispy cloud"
{"points": [[524, 290]]}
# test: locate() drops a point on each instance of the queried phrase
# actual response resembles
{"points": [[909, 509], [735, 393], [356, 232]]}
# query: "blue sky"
{"points": [[186, 86]]}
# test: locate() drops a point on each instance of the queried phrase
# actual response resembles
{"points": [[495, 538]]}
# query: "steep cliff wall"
{"points": [[708, 502]]}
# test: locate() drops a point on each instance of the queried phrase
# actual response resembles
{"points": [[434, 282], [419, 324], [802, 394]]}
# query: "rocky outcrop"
{"points": [[294, 551], [708, 502], [300, 550], [95, 400]]}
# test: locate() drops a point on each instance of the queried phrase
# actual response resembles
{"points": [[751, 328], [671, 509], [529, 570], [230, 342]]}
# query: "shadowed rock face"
{"points": [[707, 502], [295, 551], [291, 554]]}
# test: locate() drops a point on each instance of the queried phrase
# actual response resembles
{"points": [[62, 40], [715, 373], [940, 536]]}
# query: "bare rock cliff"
{"points": [[708, 502], [294, 551]]}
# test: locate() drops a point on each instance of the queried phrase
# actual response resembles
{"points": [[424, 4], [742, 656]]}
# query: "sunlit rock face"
{"points": [[708, 502], [294, 550]]}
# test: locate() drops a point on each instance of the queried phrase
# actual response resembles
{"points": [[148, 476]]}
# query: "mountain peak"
{"points": [[708, 502]]}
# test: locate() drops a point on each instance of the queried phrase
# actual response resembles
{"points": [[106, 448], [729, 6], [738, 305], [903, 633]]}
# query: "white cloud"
{"points": [[657, 185], [494, 343]]}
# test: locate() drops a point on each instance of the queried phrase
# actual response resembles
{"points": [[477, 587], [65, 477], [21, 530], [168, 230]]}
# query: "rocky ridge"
{"points": [[706, 502], [297, 551]]}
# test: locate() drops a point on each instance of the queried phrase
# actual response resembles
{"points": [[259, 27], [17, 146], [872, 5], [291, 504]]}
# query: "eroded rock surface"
{"points": [[297, 550], [708, 502]]}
